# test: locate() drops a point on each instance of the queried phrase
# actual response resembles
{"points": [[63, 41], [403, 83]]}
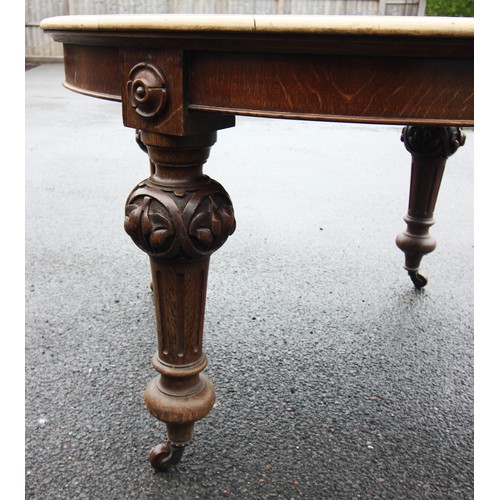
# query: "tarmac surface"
{"points": [[335, 378]]}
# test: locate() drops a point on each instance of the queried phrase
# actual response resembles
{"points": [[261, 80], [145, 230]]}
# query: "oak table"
{"points": [[180, 78]]}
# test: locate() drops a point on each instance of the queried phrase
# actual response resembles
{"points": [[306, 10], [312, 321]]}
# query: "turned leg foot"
{"points": [[429, 147]]}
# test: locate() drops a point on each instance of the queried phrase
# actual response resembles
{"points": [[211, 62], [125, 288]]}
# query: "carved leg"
{"points": [[151, 164], [429, 147], [179, 217], [145, 149]]}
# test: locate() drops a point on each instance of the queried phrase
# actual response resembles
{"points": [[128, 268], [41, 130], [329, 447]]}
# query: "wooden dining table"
{"points": [[180, 78]]}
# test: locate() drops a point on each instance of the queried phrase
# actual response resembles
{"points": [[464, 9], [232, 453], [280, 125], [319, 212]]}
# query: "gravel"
{"points": [[335, 378]]}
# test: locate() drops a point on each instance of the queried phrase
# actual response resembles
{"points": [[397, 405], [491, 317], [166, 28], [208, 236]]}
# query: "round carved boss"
{"points": [[146, 88]]}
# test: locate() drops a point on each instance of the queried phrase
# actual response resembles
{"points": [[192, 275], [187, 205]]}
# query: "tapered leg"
{"points": [[429, 147], [179, 217]]}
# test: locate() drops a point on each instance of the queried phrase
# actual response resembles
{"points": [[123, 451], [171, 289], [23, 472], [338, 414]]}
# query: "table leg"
{"points": [[429, 147], [179, 217], [145, 149]]}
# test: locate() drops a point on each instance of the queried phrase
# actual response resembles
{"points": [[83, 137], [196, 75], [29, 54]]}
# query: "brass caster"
{"points": [[419, 280], [164, 456]]}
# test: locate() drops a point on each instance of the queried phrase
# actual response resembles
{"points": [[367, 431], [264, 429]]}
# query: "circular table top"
{"points": [[335, 25]]}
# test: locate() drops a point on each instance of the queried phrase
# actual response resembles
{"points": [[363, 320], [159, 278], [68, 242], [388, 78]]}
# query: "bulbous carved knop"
{"points": [[432, 141], [171, 224]]}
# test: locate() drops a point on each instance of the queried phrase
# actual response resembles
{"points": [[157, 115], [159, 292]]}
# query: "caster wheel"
{"points": [[164, 456], [419, 280]]}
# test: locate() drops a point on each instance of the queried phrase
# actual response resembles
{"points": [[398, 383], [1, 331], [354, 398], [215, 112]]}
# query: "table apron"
{"points": [[397, 90], [362, 89]]}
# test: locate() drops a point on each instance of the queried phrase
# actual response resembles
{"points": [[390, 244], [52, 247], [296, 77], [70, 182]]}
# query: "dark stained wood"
{"points": [[334, 88], [361, 89], [379, 78], [380, 45], [93, 71], [170, 68]]}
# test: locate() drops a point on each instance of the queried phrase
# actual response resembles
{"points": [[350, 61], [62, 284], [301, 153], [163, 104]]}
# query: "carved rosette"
{"points": [[146, 90], [432, 141], [171, 223]]}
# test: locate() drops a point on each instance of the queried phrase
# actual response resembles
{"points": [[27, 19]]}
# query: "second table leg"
{"points": [[430, 147]]}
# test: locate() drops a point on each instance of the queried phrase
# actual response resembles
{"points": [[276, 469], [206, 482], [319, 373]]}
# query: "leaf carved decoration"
{"points": [[165, 225], [151, 231], [432, 141]]}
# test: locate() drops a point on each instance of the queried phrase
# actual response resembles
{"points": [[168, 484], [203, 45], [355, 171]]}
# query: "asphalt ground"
{"points": [[335, 378]]}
